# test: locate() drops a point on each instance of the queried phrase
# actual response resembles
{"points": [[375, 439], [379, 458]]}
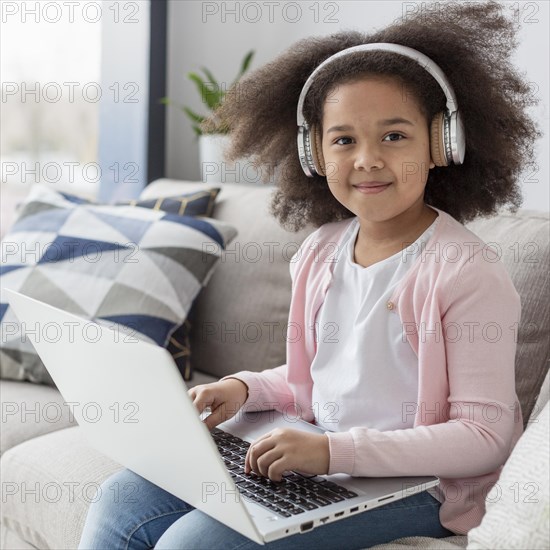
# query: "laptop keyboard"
{"points": [[293, 495]]}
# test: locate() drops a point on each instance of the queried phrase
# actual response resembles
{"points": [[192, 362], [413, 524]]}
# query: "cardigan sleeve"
{"points": [[267, 390], [480, 419]]}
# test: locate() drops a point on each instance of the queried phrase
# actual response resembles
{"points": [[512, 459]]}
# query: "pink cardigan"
{"points": [[460, 313]]}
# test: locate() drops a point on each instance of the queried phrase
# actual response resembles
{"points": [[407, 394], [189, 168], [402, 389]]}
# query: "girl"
{"points": [[418, 382]]}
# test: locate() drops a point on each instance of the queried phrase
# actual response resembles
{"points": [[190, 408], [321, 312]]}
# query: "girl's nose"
{"points": [[368, 157]]}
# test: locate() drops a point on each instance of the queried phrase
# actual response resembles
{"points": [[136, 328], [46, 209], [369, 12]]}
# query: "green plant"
{"points": [[212, 94]]}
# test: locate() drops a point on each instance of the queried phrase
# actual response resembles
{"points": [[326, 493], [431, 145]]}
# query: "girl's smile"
{"points": [[372, 187]]}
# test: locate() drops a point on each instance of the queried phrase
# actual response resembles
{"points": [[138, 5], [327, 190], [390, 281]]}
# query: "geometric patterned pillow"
{"points": [[200, 203], [133, 269]]}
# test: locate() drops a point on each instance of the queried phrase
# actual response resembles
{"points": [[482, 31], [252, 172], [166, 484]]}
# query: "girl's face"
{"points": [[375, 133]]}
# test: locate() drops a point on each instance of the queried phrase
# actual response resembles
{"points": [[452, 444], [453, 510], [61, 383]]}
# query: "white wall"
{"points": [[218, 34]]}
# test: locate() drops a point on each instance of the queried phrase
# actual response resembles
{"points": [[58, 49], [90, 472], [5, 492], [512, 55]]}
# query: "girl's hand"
{"points": [[224, 398], [286, 449]]}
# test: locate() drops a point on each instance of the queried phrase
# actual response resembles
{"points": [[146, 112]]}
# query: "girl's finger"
{"points": [[278, 468], [247, 463], [266, 460], [255, 451], [252, 455], [261, 438], [202, 401], [217, 416]]}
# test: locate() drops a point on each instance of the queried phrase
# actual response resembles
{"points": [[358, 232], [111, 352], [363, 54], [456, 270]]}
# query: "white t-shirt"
{"points": [[365, 371]]}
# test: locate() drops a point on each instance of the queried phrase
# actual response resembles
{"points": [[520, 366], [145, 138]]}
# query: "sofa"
{"points": [[49, 472]]}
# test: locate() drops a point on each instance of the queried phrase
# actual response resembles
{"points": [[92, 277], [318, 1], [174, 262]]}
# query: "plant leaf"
{"points": [[246, 62], [209, 75], [244, 66], [192, 115], [217, 98], [209, 96], [212, 94]]}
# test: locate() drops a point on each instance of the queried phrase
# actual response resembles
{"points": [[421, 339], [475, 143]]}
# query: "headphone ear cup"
{"points": [[437, 136], [317, 150], [458, 138]]}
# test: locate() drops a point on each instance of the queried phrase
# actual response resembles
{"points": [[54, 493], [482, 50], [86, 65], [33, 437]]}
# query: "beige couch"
{"points": [[49, 473]]}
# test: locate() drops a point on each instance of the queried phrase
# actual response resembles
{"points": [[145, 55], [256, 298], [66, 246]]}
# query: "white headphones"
{"points": [[447, 140]]}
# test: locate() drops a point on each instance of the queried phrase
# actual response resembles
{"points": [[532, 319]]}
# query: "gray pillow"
{"points": [[522, 241]]}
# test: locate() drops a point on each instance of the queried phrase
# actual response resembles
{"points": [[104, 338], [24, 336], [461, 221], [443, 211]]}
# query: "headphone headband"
{"points": [[423, 60]]}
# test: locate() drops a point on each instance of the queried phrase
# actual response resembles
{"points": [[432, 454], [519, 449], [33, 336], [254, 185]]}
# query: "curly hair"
{"points": [[472, 43]]}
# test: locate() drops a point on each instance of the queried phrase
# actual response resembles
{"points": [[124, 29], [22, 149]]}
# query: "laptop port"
{"points": [[355, 509], [338, 514], [385, 498], [306, 526]]}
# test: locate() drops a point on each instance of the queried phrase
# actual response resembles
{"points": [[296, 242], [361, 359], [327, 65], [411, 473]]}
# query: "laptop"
{"points": [[132, 405]]}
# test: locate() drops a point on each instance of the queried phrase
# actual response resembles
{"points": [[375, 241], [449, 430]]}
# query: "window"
{"points": [[51, 90], [76, 82]]}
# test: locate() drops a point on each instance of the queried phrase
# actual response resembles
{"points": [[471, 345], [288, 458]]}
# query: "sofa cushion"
{"points": [[30, 410], [136, 270], [240, 323], [517, 506], [521, 240], [48, 484], [10, 539]]}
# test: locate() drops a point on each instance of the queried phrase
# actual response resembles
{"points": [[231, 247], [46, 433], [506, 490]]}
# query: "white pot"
{"points": [[215, 169]]}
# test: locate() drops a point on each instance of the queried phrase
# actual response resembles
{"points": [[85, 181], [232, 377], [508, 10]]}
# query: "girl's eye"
{"points": [[339, 141], [394, 134]]}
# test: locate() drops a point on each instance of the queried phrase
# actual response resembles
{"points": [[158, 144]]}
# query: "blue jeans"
{"points": [[133, 513]]}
